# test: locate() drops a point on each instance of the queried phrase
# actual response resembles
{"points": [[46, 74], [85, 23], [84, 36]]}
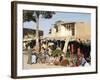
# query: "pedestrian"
{"points": [[29, 55], [83, 61], [78, 56], [34, 56]]}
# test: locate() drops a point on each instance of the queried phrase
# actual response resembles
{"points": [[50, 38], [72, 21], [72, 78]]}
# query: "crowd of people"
{"points": [[51, 52]]}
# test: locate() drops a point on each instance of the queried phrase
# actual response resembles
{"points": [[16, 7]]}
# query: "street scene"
{"points": [[56, 39]]}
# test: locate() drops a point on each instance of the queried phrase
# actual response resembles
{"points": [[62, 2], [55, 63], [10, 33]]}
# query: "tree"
{"points": [[29, 15], [57, 53]]}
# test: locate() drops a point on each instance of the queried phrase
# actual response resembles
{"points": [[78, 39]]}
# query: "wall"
{"points": [[5, 41], [83, 30]]}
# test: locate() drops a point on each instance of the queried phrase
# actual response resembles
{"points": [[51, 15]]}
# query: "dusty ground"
{"points": [[37, 65]]}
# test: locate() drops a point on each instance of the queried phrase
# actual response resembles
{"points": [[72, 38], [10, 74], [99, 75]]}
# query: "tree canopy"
{"points": [[29, 15]]}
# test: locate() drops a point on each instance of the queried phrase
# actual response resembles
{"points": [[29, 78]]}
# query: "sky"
{"points": [[46, 24]]}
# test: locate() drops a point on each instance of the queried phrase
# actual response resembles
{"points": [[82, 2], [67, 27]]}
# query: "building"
{"points": [[62, 30], [30, 34]]}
